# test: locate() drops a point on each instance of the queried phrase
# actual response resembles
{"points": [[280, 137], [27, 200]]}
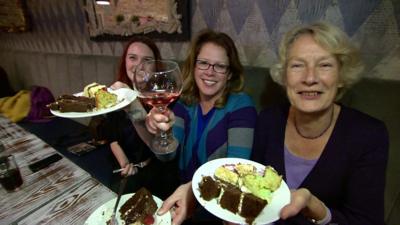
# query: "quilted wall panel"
{"points": [[255, 25]]}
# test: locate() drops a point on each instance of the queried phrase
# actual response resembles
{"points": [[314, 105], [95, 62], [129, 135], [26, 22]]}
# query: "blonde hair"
{"points": [[332, 39]]}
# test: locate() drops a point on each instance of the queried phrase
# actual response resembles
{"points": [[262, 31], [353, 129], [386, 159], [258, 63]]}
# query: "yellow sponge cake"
{"points": [[226, 175], [272, 178], [104, 99], [243, 169], [91, 89]]}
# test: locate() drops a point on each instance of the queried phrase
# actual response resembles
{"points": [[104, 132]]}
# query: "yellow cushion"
{"points": [[16, 107]]}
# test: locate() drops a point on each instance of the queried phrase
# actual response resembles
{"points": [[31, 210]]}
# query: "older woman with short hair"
{"points": [[334, 41], [331, 156]]}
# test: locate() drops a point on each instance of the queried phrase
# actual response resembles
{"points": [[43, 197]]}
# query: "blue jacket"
{"points": [[229, 133]]}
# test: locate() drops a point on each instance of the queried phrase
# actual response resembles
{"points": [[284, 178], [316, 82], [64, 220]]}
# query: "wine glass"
{"points": [[159, 83]]}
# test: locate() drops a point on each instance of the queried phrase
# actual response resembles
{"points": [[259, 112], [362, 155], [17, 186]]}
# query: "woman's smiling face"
{"points": [[312, 75], [137, 53], [211, 84]]}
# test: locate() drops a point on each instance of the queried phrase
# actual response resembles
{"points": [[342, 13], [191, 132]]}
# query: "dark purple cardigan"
{"points": [[349, 177]]}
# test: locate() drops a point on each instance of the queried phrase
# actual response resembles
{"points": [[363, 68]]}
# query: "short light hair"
{"points": [[190, 93], [332, 39]]}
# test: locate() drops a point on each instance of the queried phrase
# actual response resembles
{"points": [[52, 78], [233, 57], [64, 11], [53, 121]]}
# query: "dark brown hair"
{"points": [[122, 76]]}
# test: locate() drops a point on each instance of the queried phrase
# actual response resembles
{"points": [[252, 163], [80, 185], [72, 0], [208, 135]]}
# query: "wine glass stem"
{"points": [[163, 134]]}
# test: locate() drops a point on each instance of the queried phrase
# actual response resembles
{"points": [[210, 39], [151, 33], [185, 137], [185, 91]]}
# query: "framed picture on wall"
{"points": [[162, 20], [13, 16]]}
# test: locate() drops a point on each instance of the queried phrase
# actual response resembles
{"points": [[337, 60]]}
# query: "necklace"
{"points": [[317, 136]]}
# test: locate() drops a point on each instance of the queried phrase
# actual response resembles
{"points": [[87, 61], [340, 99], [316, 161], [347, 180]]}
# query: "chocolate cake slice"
{"points": [[251, 207], [78, 98], [230, 198], [209, 188], [71, 103], [138, 207]]}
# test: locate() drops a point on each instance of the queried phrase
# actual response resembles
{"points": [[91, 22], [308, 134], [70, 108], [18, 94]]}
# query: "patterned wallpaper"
{"points": [[255, 25]]}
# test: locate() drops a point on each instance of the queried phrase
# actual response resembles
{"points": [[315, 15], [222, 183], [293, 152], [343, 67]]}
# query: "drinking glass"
{"points": [[10, 177], [159, 83]]}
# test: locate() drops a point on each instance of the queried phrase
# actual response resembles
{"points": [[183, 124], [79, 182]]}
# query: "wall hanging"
{"points": [[162, 20]]}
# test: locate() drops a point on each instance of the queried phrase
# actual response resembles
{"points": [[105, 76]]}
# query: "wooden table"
{"points": [[62, 193], [72, 207]]}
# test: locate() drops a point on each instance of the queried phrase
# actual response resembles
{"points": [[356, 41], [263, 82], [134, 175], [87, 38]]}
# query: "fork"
{"points": [[113, 220], [140, 165]]}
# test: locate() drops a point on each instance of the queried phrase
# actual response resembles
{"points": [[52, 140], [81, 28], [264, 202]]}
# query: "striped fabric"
{"points": [[229, 133]]}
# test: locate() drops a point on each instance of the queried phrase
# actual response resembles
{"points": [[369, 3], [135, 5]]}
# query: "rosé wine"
{"points": [[159, 82], [159, 98]]}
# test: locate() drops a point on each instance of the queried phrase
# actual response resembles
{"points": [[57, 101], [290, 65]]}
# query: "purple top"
{"points": [[355, 155], [297, 169]]}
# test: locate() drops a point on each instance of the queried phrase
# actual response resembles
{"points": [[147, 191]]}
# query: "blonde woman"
{"points": [[331, 156]]}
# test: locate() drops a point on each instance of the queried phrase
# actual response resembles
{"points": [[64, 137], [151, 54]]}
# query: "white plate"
{"points": [[125, 97], [104, 212], [270, 213]]}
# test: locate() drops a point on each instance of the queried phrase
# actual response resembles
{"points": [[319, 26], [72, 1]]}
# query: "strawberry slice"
{"points": [[148, 220]]}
